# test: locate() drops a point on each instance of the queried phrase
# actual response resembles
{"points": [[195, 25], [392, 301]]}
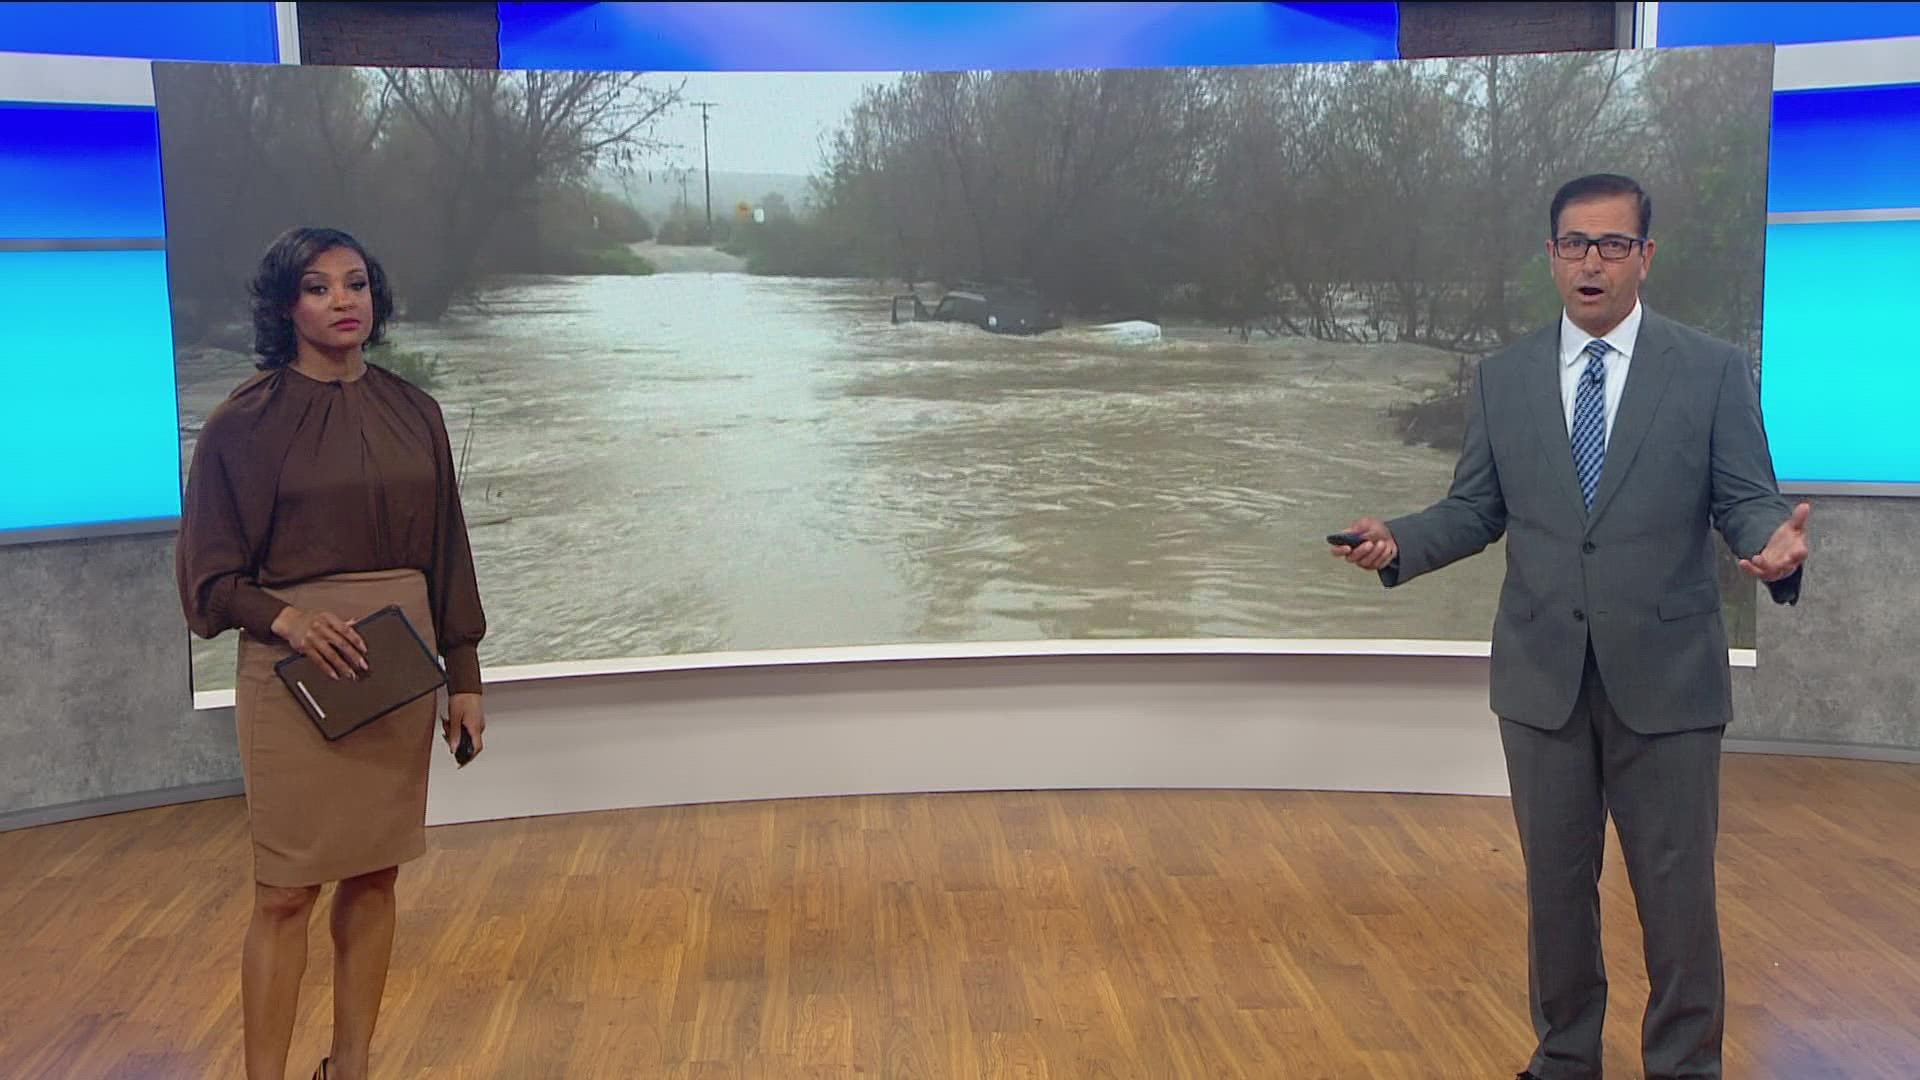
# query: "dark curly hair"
{"points": [[276, 287]]}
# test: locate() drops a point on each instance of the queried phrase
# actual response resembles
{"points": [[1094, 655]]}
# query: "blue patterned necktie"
{"points": [[1589, 434]]}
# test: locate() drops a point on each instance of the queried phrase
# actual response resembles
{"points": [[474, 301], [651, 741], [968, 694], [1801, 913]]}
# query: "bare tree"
{"points": [[487, 140], [435, 170]]}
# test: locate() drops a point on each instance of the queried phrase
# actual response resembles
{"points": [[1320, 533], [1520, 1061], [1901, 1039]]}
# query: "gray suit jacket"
{"points": [[1636, 576]]}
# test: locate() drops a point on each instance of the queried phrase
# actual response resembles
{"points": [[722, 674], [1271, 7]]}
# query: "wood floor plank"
{"points": [[1033, 935]]}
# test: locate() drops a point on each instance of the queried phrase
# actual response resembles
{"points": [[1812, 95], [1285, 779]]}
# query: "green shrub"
{"points": [[420, 368]]}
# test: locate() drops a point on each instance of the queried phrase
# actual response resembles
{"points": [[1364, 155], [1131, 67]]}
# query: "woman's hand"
{"points": [[326, 638], [464, 712]]}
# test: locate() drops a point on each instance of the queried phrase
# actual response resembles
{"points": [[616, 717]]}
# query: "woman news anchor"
{"points": [[321, 490]]}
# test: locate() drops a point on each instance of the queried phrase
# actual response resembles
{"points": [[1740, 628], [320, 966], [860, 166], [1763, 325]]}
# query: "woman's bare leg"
{"points": [[271, 965], [363, 917]]}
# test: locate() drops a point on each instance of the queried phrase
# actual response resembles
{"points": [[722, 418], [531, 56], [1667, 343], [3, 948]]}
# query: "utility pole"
{"points": [[706, 164]]}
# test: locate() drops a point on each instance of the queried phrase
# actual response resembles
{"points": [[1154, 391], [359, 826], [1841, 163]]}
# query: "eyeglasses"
{"points": [[1612, 247]]}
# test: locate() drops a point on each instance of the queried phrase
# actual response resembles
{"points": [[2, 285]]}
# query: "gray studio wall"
{"points": [[95, 708], [1838, 670]]}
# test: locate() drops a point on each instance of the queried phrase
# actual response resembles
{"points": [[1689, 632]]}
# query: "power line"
{"points": [[706, 162]]}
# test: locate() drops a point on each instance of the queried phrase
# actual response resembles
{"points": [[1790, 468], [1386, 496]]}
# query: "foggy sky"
{"points": [[763, 122]]}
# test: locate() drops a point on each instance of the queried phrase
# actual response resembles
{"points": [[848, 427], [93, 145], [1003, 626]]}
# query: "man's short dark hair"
{"points": [[1597, 186]]}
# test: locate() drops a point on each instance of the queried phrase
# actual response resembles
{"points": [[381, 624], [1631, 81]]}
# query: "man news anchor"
{"points": [[1606, 448]]}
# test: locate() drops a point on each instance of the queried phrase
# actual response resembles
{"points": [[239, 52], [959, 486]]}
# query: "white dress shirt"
{"points": [[1573, 363]]}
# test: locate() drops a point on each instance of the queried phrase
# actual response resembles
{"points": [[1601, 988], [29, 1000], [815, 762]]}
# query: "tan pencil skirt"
{"points": [[323, 811]]}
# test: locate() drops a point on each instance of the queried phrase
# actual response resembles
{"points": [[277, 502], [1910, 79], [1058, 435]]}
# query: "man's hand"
{"points": [[1785, 551], [464, 711], [1376, 552]]}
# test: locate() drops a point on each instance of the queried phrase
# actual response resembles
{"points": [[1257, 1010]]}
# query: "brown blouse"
{"points": [[294, 478]]}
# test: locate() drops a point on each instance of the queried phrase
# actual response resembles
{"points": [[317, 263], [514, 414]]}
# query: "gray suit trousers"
{"points": [[1664, 793]]}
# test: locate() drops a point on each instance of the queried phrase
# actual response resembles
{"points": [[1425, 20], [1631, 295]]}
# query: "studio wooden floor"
{"points": [[1156, 935]]}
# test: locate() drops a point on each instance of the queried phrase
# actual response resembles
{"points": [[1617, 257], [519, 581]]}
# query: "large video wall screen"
{"points": [[737, 362]]}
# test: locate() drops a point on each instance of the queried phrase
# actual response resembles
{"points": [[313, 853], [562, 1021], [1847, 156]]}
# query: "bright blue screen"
{"points": [[938, 36], [238, 33], [1840, 381], [90, 396], [1854, 148], [1835, 378], [77, 171], [1783, 24], [88, 423]]}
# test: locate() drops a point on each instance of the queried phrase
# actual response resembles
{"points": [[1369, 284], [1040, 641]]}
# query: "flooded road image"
{"points": [[709, 462], [669, 449]]}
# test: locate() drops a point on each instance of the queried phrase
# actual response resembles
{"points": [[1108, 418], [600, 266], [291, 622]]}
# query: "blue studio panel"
{"points": [[1837, 381], [1852, 148], [88, 427], [1783, 24], [938, 36], [88, 423], [1840, 384], [236, 33], [1836, 378], [79, 171]]}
